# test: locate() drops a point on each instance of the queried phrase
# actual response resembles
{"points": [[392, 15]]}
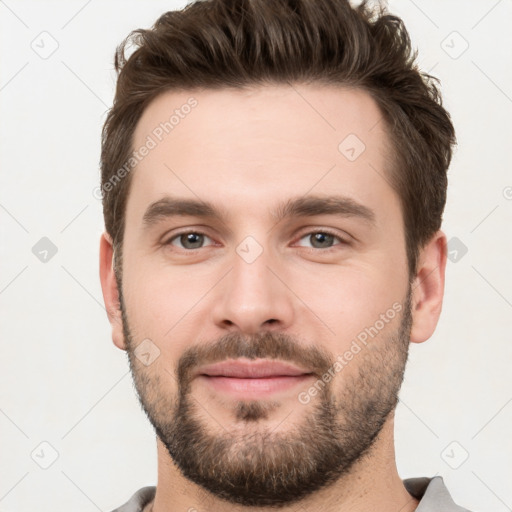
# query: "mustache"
{"points": [[265, 345]]}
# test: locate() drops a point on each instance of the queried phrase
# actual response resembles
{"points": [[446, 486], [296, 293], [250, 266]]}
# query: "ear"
{"points": [[110, 290], [428, 288]]}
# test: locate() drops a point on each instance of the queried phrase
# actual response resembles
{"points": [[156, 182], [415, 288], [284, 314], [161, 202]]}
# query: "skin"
{"points": [[245, 152]]}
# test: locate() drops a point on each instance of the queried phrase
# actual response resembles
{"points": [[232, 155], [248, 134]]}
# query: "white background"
{"points": [[62, 380]]}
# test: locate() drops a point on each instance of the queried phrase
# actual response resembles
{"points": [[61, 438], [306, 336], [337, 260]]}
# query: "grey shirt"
{"points": [[432, 493]]}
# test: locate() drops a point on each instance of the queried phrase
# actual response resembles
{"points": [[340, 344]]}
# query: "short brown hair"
{"points": [[244, 43]]}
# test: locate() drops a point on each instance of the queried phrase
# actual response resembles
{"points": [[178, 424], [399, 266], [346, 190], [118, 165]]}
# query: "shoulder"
{"points": [[138, 500], [433, 494]]}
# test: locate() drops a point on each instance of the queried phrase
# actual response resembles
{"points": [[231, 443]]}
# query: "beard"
{"points": [[251, 464]]}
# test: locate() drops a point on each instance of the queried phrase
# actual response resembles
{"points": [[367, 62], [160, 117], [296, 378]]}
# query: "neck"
{"points": [[372, 484]]}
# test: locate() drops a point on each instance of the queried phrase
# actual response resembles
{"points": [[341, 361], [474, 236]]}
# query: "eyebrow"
{"points": [[306, 206]]}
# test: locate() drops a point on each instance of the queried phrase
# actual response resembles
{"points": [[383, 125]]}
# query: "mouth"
{"points": [[252, 378]]}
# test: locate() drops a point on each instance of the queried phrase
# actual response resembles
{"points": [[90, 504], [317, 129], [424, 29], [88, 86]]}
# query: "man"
{"points": [[274, 177]]}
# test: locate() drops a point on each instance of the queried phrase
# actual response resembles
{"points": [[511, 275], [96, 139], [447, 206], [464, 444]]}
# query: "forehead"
{"points": [[254, 146]]}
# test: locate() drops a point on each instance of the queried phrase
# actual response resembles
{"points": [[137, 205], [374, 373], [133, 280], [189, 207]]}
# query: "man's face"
{"points": [[321, 282]]}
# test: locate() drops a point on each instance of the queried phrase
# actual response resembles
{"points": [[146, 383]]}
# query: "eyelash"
{"points": [[309, 233]]}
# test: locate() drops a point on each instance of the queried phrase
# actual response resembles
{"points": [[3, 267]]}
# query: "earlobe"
{"points": [[110, 290], [428, 288]]}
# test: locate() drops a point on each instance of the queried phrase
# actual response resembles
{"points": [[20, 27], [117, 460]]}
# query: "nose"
{"points": [[253, 296]]}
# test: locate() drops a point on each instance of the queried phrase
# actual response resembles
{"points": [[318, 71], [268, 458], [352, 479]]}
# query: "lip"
{"points": [[258, 369], [252, 379]]}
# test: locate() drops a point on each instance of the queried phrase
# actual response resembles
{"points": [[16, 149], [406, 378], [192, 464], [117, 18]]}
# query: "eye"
{"points": [[323, 239], [188, 240]]}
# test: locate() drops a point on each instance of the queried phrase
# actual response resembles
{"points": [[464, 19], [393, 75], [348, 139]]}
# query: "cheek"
{"points": [[159, 299], [165, 308], [350, 299]]}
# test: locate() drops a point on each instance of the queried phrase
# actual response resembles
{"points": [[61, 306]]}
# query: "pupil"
{"points": [[322, 238], [191, 239]]}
